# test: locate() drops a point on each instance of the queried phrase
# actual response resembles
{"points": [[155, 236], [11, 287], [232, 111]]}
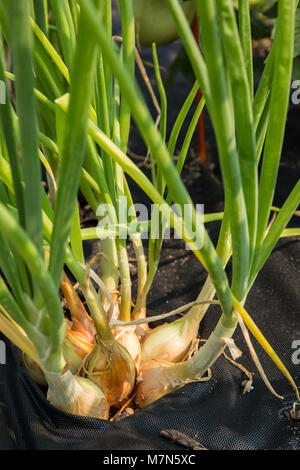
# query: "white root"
{"points": [[254, 355]]}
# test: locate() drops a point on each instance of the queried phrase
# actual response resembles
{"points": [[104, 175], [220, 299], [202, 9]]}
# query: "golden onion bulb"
{"points": [[111, 367], [76, 395], [170, 341], [130, 341], [75, 349]]}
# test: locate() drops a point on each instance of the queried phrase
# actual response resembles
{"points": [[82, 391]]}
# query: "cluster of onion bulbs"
{"points": [[130, 365]]}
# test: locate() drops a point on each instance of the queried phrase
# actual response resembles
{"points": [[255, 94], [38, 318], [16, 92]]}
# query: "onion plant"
{"points": [[71, 95]]}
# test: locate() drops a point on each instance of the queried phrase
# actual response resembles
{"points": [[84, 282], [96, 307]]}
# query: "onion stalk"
{"points": [[171, 342], [81, 321]]}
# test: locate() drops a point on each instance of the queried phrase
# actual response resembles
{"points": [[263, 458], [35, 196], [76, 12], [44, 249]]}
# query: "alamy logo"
{"points": [[188, 223], [296, 93], [2, 353], [296, 353], [2, 92]]}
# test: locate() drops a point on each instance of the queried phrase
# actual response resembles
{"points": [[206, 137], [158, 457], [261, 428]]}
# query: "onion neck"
{"points": [[63, 391], [211, 350], [97, 313], [208, 291]]}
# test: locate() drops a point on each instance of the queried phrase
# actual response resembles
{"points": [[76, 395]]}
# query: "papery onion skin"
{"points": [[94, 408], [81, 322], [170, 341], [157, 378], [111, 368], [130, 341], [75, 348]]}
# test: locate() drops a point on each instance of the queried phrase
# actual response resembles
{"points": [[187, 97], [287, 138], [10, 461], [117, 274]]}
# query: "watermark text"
{"points": [[296, 94], [296, 353], [156, 223]]}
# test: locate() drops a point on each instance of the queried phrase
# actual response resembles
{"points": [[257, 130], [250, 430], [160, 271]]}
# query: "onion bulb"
{"points": [[157, 378], [110, 367], [75, 348], [129, 339], [170, 341], [76, 395], [81, 321]]}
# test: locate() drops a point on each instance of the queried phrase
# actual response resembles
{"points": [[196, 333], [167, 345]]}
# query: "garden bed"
{"points": [[218, 413], [215, 413]]}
